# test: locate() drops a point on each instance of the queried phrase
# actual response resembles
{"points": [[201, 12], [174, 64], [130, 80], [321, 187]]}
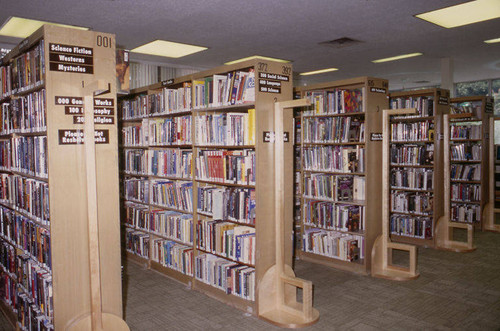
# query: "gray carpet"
{"points": [[454, 292]]}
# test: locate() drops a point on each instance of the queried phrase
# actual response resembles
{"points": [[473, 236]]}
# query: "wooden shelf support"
{"points": [[444, 227], [278, 291], [382, 266], [490, 211]]}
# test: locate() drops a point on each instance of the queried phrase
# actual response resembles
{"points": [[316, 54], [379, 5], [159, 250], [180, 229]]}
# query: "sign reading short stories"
{"points": [[71, 58]]}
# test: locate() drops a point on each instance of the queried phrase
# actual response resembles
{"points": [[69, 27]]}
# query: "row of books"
{"points": [[29, 155], [137, 242], [5, 81], [330, 216], [411, 202], [26, 235], [424, 105], [172, 194], [334, 159], [5, 155], [135, 135], [465, 131], [230, 277], [172, 162], [173, 255], [415, 131], [168, 101], [333, 129], [136, 189], [346, 247], [412, 155], [465, 213], [25, 114], [466, 107], [465, 152], [232, 241], [26, 195], [465, 171], [411, 226], [334, 187], [169, 131], [230, 129], [226, 166], [235, 87], [412, 178], [28, 69], [336, 101], [229, 203], [466, 192], [36, 283]]}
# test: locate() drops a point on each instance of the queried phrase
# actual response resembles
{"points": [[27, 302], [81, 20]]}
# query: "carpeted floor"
{"points": [[454, 292]]}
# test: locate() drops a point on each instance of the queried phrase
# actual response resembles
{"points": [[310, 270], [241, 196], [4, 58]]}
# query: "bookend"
{"points": [[97, 320], [444, 227], [278, 289], [382, 249], [490, 211]]}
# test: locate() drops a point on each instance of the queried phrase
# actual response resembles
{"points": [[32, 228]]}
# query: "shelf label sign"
{"points": [[68, 101], [73, 110], [75, 137], [376, 136], [97, 120], [167, 82], [488, 107], [378, 90], [271, 83], [268, 137], [443, 101], [71, 58]]}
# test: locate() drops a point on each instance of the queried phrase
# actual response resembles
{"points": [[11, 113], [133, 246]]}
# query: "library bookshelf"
{"points": [[492, 207], [225, 167], [48, 269], [341, 196], [472, 131], [416, 167]]}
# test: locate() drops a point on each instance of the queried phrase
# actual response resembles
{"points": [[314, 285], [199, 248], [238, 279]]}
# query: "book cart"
{"points": [[341, 186], [210, 203], [60, 266], [416, 166]]}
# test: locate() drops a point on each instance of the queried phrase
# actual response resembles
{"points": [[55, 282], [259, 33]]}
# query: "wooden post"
{"points": [[278, 286], [382, 249], [490, 211], [97, 320], [444, 228]]}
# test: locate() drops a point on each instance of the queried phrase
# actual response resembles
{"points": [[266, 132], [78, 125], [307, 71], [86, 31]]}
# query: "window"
{"points": [[472, 88], [495, 92]]}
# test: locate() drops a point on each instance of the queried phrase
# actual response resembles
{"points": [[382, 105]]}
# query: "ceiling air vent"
{"points": [[421, 82], [340, 42]]}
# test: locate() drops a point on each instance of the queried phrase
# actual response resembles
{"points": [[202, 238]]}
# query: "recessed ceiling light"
{"points": [[492, 41], [318, 71], [398, 57], [168, 49], [257, 57], [23, 27], [463, 14]]}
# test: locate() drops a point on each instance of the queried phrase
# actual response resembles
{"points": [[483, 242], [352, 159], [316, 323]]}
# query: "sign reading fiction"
{"points": [[75, 137], [271, 83], [71, 58], [167, 82]]}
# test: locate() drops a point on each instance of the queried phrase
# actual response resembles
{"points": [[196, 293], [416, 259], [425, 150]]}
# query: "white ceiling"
{"points": [[289, 29]]}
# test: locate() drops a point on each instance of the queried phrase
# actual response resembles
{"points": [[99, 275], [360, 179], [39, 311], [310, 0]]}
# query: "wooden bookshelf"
{"points": [[373, 95], [481, 110], [265, 97], [68, 66], [438, 101]]}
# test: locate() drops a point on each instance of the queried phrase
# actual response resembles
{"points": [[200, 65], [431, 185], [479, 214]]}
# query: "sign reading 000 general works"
{"points": [[71, 58]]}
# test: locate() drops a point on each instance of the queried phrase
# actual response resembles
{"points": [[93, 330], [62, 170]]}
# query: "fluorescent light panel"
{"points": [[257, 57], [398, 57], [315, 72], [23, 27], [168, 49], [492, 41], [463, 14]]}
